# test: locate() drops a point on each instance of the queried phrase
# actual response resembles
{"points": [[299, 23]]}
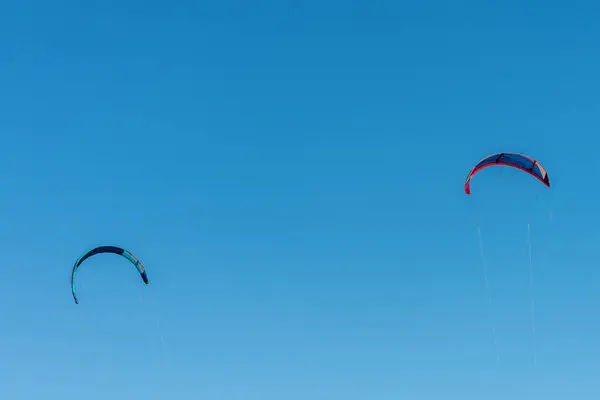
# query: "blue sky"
{"points": [[291, 174]]}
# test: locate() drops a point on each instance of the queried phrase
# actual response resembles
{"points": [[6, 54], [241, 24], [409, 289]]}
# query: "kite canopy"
{"points": [[107, 249], [520, 161]]}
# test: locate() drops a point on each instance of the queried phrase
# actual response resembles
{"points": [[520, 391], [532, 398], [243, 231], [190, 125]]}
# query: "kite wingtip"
{"points": [[144, 277]]}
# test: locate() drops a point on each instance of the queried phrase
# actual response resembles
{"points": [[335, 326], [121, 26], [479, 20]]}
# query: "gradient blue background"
{"points": [[291, 174]]}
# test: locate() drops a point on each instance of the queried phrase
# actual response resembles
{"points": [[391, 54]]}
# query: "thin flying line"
{"points": [[488, 293], [532, 294]]}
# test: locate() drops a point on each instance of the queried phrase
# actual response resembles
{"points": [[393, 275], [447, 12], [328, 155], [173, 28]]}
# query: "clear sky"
{"points": [[291, 174]]}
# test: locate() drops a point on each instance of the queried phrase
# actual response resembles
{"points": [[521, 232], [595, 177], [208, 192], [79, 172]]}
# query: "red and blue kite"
{"points": [[520, 161]]}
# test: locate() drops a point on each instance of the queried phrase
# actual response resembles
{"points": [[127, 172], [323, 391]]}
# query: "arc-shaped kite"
{"points": [[515, 160], [107, 249]]}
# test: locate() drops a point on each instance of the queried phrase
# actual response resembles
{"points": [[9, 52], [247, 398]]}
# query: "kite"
{"points": [[515, 160], [107, 249]]}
